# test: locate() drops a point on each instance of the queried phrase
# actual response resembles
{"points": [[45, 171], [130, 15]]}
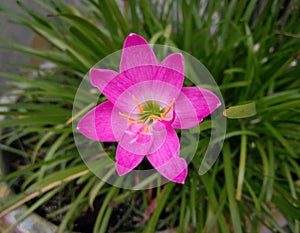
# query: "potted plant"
{"points": [[252, 51]]}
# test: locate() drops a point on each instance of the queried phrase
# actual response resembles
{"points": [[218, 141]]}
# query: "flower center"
{"points": [[149, 112]]}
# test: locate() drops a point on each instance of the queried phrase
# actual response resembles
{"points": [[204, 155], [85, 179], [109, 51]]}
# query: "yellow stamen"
{"points": [[168, 108], [131, 123], [126, 116], [164, 118], [145, 128], [138, 104], [152, 117], [135, 122]]}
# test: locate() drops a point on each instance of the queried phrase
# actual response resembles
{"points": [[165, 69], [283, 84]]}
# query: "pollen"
{"points": [[138, 104]]}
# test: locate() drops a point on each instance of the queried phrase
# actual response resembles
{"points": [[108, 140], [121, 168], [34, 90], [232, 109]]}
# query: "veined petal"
{"points": [[192, 105], [127, 79], [166, 159], [143, 82], [136, 52], [126, 161], [171, 77], [96, 124], [101, 77], [174, 61], [121, 93]]}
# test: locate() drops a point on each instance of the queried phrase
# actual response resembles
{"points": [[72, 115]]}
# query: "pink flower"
{"points": [[146, 101]]}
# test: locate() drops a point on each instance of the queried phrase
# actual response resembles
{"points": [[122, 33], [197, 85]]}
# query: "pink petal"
{"points": [[149, 81], [96, 124], [100, 77], [136, 52], [174, 61], [126, 161], [170, 71], [159, 132], [166, 159], [135, 144], [170, 76], [122, 82], [120, 92], [192, 105]]}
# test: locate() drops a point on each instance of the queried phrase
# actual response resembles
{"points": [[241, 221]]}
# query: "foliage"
{"points": [[252, 49]]}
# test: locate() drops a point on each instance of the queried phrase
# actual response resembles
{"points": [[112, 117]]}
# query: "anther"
{"points": [[152, 117], [135, 122], [145, 128], [126, 116], [138, 104], [131, 123], [164, 118], [168, 108]]}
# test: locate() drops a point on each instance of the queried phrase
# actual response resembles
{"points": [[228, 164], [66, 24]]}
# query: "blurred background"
{"points": [[252, 49]]}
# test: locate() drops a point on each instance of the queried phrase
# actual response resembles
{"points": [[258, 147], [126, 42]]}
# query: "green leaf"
{"points": [[240, 111], [228, 170], [286, 207], [57, 178]]}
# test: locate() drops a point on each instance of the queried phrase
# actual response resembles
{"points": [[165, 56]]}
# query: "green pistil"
{"points": [[150, 108]]}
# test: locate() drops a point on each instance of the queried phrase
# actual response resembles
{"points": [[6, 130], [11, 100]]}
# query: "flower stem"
{"points": [[241, 174]]}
